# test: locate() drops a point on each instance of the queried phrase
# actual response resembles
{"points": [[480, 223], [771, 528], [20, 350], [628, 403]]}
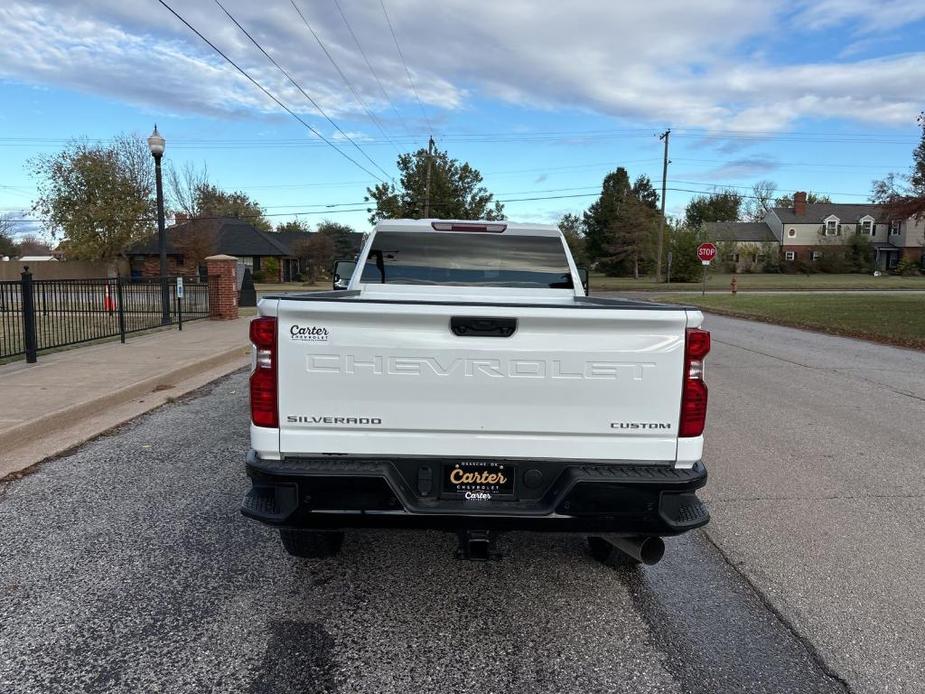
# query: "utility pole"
{"points": [[430, 163], [661, 220]]}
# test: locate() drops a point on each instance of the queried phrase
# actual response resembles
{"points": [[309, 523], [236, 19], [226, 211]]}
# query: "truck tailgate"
{"points": [[392, 379]]}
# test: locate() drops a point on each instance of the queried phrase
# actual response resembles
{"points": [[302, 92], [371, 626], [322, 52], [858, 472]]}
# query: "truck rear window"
{"points": [[467, 259]]}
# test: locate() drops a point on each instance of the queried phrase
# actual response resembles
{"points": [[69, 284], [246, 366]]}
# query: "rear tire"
{"points": [[311, 544], [607, 554]]}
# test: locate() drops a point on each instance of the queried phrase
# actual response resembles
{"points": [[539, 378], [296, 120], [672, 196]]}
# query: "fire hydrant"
{"points": [[734, 285]]}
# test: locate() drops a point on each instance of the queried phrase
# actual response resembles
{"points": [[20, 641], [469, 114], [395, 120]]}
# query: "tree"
{"points": [[619, 226], [761, 200], [721, 206], [193, 195], [195, 241], [904, 194], [293, 225], [645, 192], [98, 198], [685, 265], [317, 253], [30, 244], [456, 190], [811, 197], [346, 241], [183, 187], [598, 219], [213, 202], [633, 230], [572, 229], [7, 244]]}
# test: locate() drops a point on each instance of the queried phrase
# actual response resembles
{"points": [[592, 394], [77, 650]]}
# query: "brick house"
{"points": [[745, 245], [806, 231], [189, 242]]}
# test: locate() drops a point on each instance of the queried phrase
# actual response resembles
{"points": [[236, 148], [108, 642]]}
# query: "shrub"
{"points": [[797, 267], [772, 262], [832, 261], [860, 254], [907, 267], [270, 269]]}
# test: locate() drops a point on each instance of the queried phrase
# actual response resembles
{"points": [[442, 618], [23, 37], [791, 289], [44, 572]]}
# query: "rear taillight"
{"points": [[694, 392], [264, 408]]}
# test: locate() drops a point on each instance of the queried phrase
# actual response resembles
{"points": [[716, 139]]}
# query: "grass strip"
{"points": [[895, 319]]}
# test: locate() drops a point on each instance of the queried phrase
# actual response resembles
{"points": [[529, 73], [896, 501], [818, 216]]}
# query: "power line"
{"points": [[225, 217], [269, 94], [356, 94], [565, 168], [299, 87], [430, 128], [369, 64], [779, 190], [647, 132], [564, 136], [591, 190], [366, 206]]}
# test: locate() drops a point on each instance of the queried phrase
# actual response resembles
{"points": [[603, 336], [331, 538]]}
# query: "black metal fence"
{"points": [[38, 315]]}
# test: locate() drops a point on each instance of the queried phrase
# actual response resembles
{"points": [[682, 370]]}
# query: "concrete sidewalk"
{"points": [[71, 396]]}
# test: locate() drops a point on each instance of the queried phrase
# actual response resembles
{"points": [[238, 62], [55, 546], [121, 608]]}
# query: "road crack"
{"points": [[841, 370]]}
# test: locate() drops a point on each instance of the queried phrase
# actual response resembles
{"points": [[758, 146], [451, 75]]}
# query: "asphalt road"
{"points": [[816, 451], [126, 567]]}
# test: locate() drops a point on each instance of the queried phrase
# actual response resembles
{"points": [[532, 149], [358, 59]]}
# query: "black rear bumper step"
{"points": [[575, 496]]}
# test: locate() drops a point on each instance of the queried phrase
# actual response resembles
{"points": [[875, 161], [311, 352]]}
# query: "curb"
{"points": [[66, 417]]}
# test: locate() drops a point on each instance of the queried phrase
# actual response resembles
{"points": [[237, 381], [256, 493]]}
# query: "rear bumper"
{"points": [[626, 498]]}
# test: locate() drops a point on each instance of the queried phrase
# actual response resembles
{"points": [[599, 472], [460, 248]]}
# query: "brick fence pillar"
{"points": [[223, 296]]}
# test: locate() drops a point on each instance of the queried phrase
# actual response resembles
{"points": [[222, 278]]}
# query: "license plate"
{"points": [[479, 481]]}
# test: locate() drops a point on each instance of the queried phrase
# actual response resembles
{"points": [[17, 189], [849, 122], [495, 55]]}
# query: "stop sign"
{"points": [[706, 252]]}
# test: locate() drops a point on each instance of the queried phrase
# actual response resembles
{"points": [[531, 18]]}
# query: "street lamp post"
{"points": [[156, 145]]}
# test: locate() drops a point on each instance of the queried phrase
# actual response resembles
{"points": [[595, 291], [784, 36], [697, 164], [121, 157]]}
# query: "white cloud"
{"points": [[661, 61], [355, 136], [867, 16], [742, 167]]}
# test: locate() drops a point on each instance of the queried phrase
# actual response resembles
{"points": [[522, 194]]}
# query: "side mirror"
{"points": [[583, 276], [343, 271]]}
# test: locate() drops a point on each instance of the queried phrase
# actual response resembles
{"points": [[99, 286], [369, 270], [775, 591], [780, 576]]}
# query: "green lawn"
{"points": [[601, 283], [897, 319]]}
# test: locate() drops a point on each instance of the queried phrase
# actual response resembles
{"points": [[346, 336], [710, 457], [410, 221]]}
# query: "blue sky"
{"points": [[544, 98]]}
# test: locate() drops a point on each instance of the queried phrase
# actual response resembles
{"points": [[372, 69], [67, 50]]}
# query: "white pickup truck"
{"points": [[464, 382]]}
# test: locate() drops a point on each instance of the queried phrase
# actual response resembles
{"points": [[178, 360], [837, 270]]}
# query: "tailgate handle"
{"points": [[474, 326]]}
